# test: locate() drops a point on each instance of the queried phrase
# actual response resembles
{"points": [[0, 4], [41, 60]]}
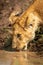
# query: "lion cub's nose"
{"points": [[18, 35]]}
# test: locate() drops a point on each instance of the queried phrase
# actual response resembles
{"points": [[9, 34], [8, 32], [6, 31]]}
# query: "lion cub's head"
{"points": [[24, 29]]}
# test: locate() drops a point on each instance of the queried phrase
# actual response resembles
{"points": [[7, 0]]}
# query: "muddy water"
{"points": [[20, 58]]}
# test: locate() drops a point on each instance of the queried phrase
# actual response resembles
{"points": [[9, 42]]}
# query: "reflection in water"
{"points": [[20, 58]]}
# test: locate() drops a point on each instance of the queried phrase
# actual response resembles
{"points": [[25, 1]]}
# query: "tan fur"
{"points": [[24, 27]]}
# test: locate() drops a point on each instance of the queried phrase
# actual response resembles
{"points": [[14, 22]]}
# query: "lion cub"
{"points": [[24, 26]]}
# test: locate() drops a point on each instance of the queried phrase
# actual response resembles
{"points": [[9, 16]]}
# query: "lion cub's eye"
{"points": [[31, 25], [19, 36]]}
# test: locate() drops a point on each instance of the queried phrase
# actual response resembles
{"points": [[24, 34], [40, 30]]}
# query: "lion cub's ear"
{"points": [[13, 17]]}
